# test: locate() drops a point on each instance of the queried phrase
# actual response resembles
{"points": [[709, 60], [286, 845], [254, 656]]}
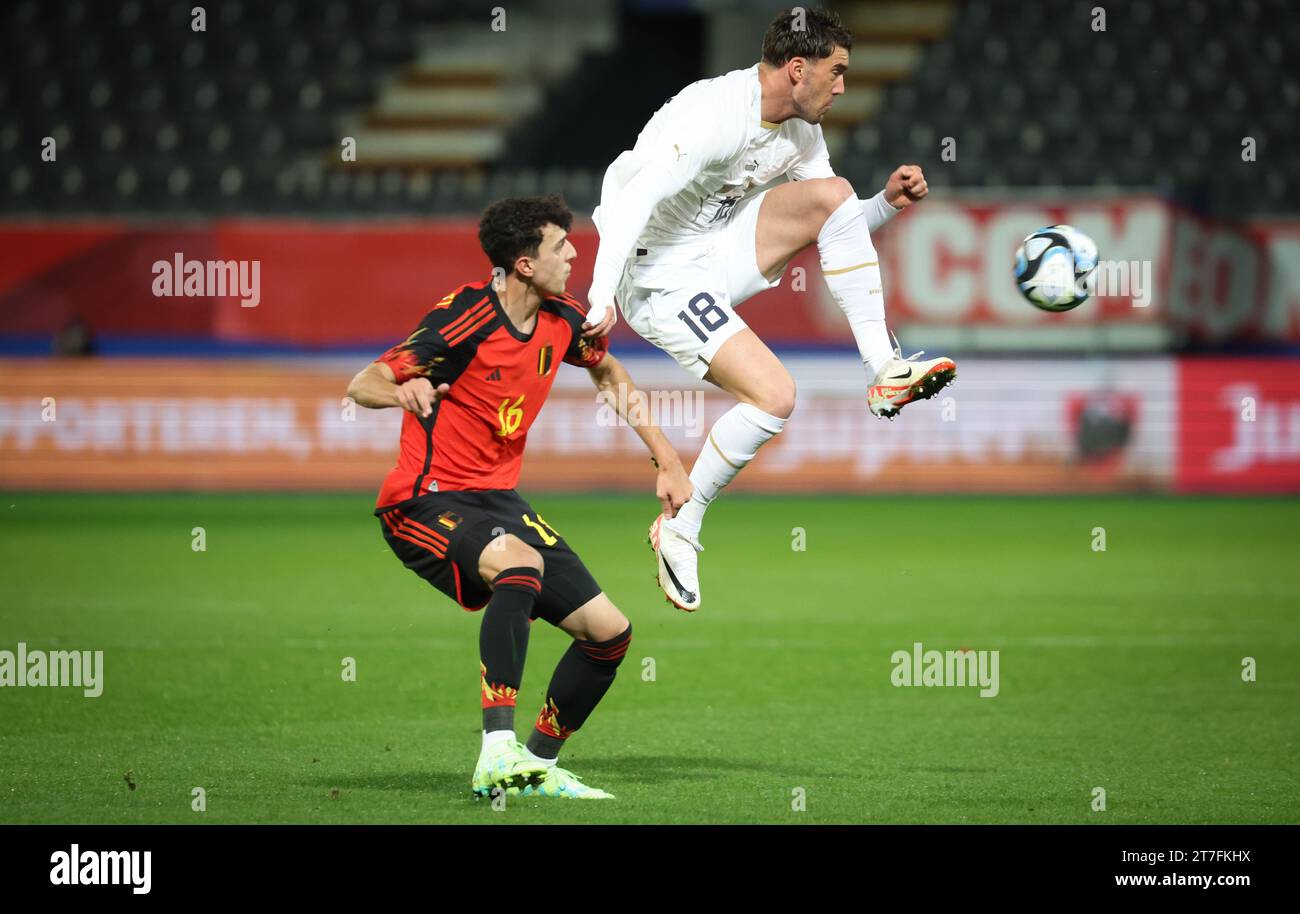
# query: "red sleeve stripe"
{"points": [[472, 314], [462, 335]]}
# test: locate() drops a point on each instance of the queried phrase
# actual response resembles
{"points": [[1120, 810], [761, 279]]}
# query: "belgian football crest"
{"points": [[544, 360]]}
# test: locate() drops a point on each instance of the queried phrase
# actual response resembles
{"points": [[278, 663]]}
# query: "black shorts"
{"points": [[441, 535]]}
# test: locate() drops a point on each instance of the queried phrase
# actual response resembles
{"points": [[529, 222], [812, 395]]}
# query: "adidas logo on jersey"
{"points": [[495, 375]]}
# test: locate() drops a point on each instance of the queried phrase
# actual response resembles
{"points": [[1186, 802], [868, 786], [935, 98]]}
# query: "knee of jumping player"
{"points": [[829, 194], [777, 396]]}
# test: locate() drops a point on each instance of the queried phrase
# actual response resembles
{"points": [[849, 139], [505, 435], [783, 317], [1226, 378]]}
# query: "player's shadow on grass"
{"points": [[644, 769], [654, 769], [432, 781]]}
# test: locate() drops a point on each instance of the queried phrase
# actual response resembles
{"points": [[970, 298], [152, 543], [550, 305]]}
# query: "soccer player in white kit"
{"points": [[684, 240]]}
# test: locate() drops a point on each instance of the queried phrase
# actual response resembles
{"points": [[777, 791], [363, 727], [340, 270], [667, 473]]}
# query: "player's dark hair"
{"points": [[512, 228], [811, 33]]}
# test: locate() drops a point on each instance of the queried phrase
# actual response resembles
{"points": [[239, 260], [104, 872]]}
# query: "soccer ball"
{"points": [[1054, 267]]}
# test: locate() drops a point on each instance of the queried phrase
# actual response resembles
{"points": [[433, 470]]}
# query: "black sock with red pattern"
{"points": [[503, 643], [581, 679]]}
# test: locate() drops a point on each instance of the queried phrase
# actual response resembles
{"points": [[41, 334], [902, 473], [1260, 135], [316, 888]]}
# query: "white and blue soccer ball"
{"points": [[1055, 267]]}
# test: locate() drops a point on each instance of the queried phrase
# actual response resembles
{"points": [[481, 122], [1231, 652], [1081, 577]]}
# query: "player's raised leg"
{"points": [[790, 217], [826, 211], [601, 636], [514, 570]]}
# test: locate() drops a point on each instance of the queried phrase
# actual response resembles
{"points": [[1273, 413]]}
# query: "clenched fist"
{"points": [[905, 186]]}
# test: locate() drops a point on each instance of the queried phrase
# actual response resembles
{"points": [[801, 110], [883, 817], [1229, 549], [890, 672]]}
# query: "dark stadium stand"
{"points": [[1029, 92], [246, 117]]}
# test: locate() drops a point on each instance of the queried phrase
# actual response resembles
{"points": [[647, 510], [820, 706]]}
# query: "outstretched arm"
{"points": [[673, 487], [376, 387]]}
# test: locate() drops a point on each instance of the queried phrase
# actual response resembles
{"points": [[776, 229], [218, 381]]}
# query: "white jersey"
{"points": [[720, 149]]}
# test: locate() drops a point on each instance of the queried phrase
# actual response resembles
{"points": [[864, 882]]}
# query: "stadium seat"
{"points": [[250, 114]]}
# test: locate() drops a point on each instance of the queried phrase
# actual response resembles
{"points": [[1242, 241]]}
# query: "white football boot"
{"points": [[903, 380], [678, 576]]}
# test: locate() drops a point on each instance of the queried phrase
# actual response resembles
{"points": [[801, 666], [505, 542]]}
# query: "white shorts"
{"points": [[683, 300]]}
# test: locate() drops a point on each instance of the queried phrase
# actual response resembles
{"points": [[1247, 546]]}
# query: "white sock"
{"points": [[852, 270], [733, 441], [548, 762], [496, 736]]}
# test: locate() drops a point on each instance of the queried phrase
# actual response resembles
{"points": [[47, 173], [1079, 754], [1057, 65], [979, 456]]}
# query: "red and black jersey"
{"points": [[499, 377]]}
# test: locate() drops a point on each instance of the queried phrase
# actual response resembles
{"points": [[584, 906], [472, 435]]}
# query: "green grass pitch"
{"points": [[1119, 669]]}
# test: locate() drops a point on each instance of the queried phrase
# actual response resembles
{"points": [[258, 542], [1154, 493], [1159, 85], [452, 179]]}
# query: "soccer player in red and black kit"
{"points": [[472, 378]]}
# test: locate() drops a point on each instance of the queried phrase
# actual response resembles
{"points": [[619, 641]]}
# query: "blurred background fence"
{"points": [[339, 153]]}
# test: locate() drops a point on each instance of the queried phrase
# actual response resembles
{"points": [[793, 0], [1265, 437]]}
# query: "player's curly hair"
{"points": [[512, 228], [811, 33]]}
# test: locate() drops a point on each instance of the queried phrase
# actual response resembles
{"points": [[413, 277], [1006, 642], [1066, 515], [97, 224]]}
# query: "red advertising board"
{"points": [[1165, 274], [1192, 425], [1239, 425], [223, 424]]}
